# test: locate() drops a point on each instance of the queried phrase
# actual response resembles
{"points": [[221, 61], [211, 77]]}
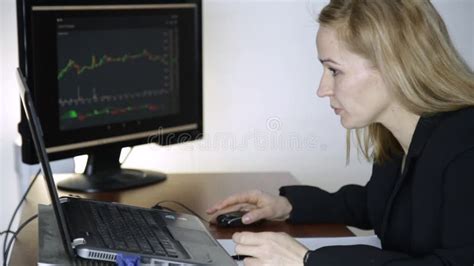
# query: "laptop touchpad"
{"points": [[190, 235]]}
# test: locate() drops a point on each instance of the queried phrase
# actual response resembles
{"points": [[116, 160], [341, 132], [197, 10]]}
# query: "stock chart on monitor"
{"points": [[110, 72]]}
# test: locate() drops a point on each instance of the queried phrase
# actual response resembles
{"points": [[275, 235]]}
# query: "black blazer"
{"points": [[424, 216]]}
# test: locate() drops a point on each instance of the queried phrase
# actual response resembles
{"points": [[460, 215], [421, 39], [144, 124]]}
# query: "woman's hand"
{"points": [[257, 204], [269, 248]]}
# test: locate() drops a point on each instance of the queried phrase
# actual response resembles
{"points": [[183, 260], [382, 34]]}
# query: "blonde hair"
{"points": [[409, 44]]}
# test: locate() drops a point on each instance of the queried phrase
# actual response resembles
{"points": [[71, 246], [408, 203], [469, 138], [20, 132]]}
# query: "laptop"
{"points": [[113, 232]]}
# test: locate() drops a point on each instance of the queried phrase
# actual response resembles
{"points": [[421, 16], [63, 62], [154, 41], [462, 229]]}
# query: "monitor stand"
{"points": [[103, 173]]}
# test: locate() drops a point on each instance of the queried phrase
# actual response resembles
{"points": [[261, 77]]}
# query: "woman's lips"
{"points": [[337, 110]]}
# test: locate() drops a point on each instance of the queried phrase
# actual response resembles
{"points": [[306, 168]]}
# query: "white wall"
{"points": [[261, 110], [9, 113]]}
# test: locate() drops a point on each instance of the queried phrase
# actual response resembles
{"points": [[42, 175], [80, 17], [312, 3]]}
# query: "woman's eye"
{"points": [[333, 71]]}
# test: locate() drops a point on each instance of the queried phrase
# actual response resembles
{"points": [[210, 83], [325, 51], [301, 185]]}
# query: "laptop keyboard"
{"points": [[133, 230]]}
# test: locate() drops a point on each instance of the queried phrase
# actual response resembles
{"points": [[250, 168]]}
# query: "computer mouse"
{"points": [[230, 219]]}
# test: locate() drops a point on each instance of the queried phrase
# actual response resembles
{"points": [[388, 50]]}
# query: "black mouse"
{"points": [[230, 219]]}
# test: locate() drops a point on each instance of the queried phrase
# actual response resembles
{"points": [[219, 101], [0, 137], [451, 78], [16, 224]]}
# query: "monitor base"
{"points": [[107, 181]]}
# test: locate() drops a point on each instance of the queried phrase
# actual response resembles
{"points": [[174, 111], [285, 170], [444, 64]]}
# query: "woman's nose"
{"points": [[325, 88]]}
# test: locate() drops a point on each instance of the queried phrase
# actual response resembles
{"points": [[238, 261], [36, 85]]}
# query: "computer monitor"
{"points": [[108, 74]]}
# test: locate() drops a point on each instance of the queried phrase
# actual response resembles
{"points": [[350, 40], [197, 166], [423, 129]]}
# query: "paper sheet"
{"points": [[318, 242]]}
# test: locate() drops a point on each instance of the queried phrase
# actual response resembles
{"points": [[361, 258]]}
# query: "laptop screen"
{"points": [[37, 135]]}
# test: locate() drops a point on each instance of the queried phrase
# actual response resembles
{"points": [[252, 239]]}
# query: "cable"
{"points": [[7, 231], [182, 206], [14, 236], [163, 208], [16, 211]]}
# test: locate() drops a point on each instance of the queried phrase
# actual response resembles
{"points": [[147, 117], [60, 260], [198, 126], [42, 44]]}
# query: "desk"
{"points": [[197, 191]]}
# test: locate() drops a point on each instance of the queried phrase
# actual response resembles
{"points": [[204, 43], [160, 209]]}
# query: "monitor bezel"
{"points": [[171, 130]]}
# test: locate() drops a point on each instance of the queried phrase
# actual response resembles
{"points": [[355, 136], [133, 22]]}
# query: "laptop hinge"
{"points": [[77, 242], [63, 200]]}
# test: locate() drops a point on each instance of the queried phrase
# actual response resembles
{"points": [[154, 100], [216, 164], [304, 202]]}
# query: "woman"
{"points": [[392, 74]]}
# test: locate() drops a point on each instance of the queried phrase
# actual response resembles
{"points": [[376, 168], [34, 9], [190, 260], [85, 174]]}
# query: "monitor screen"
{"points": [[109, 74], [116, 69]]}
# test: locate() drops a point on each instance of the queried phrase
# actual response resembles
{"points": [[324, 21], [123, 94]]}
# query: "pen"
{"points": [[240, 257]]}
